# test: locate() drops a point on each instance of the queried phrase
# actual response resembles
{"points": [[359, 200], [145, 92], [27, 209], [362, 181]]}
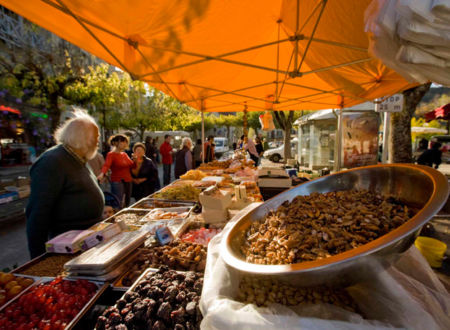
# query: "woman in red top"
{"points": [[120, 165]]}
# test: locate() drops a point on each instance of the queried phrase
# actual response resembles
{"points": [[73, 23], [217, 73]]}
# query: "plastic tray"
{"points": [[25, 266], [147, 204], [36, 281], [118, 285], [111, 275], [130, 241], [179, 210], [101, 287], [113, 219]]}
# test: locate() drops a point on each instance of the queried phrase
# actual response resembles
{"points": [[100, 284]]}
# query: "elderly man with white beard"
{"points": [[65, 194]]}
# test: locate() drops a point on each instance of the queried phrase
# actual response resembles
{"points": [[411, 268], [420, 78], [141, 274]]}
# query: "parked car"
{"points": [[276, 154], [221, 145]]}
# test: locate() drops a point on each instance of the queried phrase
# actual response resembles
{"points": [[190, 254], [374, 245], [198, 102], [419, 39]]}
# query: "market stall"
{"points": [[146, 265]]}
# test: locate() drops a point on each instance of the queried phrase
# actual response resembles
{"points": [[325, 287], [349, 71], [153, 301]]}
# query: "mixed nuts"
{"points": [[264, 291], [321, 225]]}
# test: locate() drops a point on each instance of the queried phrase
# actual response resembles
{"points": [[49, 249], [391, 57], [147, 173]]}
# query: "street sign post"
{"points": [[391, 104]]}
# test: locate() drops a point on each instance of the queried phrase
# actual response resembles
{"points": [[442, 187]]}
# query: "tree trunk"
{"points": [[53, 112], [400, 147], [286, 124]]}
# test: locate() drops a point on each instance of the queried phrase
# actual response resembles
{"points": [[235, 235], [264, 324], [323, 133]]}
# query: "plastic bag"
{"points": [[266, 121], [407, 295], [412, 37]]}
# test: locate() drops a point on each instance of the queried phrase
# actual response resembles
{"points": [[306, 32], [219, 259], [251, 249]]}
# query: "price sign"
{"points": [[393, 103]]}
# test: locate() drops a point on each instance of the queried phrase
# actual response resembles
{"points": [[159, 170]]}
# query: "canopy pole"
{"points": [[386, 133], [203, 131], [297, 19], [338, 142], [245, 122]]}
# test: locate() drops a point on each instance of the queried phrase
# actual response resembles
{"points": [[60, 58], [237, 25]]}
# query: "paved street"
{"points": [[13, 244]]}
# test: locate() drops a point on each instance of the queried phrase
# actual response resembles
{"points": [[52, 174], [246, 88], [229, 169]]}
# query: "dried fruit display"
{"points": [[48, 306], [130, 218], [193, 175], [200, 236], [166, 214], [181, 192], [155, 204], [177, 255], [162, 300], [50, 266], [11, 286], [321, 225], [216, 164], [265, 291]]}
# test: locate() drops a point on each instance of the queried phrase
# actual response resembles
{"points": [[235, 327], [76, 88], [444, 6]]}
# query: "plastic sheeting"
{"points": [[412, 37], [406, 295]]}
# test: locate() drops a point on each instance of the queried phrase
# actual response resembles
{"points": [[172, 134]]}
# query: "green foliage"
{"points": [[436, 102]]}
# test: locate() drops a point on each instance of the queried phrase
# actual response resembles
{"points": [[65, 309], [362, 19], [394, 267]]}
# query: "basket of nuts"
{"points": [[329, 230]]}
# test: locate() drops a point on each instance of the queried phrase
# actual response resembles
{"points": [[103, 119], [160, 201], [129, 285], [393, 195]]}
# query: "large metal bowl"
{"points": [[417, 186]]}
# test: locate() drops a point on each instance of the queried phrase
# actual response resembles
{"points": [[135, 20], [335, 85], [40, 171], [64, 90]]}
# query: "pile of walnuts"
{"points": [[321, 225]]}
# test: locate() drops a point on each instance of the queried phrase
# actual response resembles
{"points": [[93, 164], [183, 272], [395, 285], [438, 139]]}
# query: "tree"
{"points": [[285, 122], [105, 90], [39, 80], [228, 121], [143, 111], [400, 148]]}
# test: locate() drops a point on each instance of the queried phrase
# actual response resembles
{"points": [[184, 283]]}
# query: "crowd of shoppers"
{"points": [[68, 180]]}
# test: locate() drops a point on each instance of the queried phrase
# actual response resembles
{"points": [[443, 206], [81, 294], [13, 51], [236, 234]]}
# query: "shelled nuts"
{"points": [[321, 225], [264, 291]]}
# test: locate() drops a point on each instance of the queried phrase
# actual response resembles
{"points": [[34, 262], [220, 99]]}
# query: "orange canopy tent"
{"points": [[222, 56]]}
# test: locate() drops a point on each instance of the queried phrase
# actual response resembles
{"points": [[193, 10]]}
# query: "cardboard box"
{"points": [[100, 232], [22, 181], [213, 216], [218, 201], [68, 242]]}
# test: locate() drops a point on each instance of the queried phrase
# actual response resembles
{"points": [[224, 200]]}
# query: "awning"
{"points": [[226, 56], [439, 113]]}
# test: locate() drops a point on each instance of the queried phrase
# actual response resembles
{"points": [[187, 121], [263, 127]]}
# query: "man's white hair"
{"points": [[77, 132], [185, 141]]}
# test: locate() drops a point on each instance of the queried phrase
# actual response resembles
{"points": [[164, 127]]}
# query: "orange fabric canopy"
{"points": [[224, 56]]}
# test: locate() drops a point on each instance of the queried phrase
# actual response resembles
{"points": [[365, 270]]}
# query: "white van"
{"points": [[221, 145]]}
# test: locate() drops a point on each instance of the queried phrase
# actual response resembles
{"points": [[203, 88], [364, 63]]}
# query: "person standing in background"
{"points": [[155, 146], [150, 149], [120, 165], [144, 174], [167, 160], [259, 149], [184, 160], [431, 156], [209, 149], [198, 153], [96, 164], [250, 147]]}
